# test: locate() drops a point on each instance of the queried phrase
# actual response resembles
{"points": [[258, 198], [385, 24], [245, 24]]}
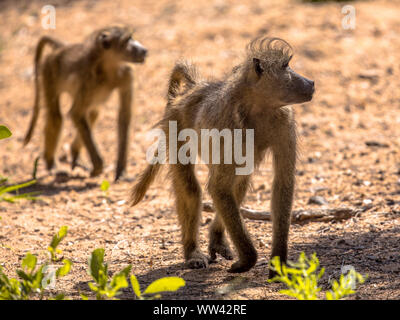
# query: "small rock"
{"points": [[367, 202], [317, 200], [390, 202], [373, 143]]}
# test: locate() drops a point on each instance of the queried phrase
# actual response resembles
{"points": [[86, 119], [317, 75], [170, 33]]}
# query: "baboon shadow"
{"points": [[197, 281], [375, 254]]}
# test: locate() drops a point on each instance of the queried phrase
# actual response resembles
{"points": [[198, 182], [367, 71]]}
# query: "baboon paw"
{"points": [[198, 261], [222, 249], [96, 171], [241, 266]]}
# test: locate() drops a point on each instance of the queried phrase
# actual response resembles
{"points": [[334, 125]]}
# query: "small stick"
{"points": [[298, 216]]}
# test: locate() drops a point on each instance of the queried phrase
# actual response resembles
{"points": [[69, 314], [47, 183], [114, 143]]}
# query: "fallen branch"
{"points": [[298, 216]]}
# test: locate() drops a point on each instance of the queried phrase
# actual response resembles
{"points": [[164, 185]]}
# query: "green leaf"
{"points": [[56, 241], [165, 284], [4, 132], [29, 262], [118, 282], [84, 297], [12, 188], [96, 264], [93, 287], [65, 269], [23, 275], [105, 185], [136, 286]]}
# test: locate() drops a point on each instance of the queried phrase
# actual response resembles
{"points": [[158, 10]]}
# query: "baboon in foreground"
{"points": [[254, 96], [89, 72]]}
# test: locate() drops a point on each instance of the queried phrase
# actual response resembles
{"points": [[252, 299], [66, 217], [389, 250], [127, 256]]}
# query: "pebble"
{"points": [[378, 144], [317, 200]]}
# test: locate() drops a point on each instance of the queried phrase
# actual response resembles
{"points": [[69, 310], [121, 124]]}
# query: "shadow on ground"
{"points": [[359, 250]]}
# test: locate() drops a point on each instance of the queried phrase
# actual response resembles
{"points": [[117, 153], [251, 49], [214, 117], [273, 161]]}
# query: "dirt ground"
{"points": [[349, 137]]}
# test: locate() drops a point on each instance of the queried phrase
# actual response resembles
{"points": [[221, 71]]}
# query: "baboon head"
{"points": [[119, 42], [268, 59]]}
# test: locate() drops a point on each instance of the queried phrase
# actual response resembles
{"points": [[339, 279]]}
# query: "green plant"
{"points": [[33, 279], [104, 287], [6, 189], [301, 279], [105, 185], [4, 132], [55, 241], [109, 289]]}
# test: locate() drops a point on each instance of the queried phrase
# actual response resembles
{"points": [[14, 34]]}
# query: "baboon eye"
{"points": [[285, 65], [106, 41]]}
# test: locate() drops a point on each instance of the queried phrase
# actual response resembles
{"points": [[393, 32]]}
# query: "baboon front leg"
{"points": [[52, 129], [284, 161], [124, 119], [227, 208], [188, 206], [82, 125], [218, 242], [77, 143]]}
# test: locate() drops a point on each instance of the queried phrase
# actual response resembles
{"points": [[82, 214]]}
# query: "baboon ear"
{"points": [[105, 40], [257, 66]]}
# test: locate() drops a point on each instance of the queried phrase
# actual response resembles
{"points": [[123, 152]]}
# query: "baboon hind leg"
{"points": [[188, 206], [53, 123], [218, 242], [77, 143], [221, 188], [82, 125]]}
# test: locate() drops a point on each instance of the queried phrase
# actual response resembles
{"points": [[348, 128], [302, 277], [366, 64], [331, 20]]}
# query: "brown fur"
{"points": [[89, 72], [254, 96]]}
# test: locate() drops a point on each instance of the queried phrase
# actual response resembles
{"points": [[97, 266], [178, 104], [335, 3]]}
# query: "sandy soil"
{"points": [[357, 101]]}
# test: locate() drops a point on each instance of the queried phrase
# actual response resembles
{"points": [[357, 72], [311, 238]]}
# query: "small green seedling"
{"points": [[5, 191], [33, 279], [301, 279], [105, 288], [61, 234], [105, 185], [109, 289]]}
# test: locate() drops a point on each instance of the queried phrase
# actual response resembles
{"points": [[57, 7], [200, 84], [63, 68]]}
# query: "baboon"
{"points": [[89, 72], [256, 95]]}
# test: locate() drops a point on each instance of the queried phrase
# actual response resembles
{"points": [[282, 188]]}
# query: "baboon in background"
{"points": [[255, 96], [89, 72]]}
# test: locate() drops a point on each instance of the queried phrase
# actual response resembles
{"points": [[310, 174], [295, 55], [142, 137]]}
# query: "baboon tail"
{"points": [[182, 72], [146, 178], [39, 49]]}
